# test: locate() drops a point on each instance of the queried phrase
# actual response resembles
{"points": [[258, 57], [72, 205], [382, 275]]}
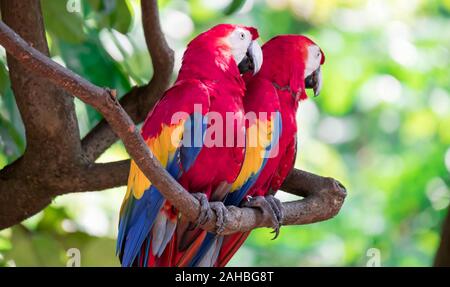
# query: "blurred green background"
{"points": [[381, 125]]}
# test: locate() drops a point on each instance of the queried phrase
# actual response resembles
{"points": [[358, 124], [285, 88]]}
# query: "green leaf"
{"points": [[62, 23], [112, 14], [33, 249], [11, 142], [5, 244], [92, 62], [12, 132], [100, 252], [96, 5], [4, 78], [234, 6], [121, 18]]}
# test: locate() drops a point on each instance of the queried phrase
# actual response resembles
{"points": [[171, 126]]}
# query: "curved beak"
{"points": [[314, 81], [253, 59]]}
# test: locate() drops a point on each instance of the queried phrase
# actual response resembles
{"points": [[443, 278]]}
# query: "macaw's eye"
{"points": [[242, 35]]}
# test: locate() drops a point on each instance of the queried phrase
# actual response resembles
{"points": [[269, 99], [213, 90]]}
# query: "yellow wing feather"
{"points": [[163, 147], [258, 138]]}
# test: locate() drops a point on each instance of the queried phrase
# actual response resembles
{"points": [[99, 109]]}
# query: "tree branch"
{"points": [[139, 100], [48, 113], [442, 258], [323, 197], [314, 208], [98, 176], [298, 182]]}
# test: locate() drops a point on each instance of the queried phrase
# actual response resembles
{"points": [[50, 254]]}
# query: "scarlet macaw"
{"points": [[208, 82], [291, 63]]}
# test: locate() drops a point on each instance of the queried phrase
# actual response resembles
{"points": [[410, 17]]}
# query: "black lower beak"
{"points": [[314, 81], [246, 64]]}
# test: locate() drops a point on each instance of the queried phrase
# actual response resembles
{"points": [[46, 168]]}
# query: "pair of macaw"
{"points": [[242, 160]]}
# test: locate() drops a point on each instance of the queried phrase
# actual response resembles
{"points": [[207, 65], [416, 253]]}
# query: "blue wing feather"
{"points": [[142, 218], [235, 197], [192, 144], [140, 214]]}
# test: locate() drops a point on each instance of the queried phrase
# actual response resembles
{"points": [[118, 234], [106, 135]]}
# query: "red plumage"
{"points": [[283, 72], [151, 231]]}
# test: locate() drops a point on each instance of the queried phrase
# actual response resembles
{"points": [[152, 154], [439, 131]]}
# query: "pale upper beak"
{"points": [[253, 59], [314, 81]]}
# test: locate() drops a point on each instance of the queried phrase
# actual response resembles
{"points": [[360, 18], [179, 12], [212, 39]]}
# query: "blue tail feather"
{"points": [[140, 214], [141, 222]]}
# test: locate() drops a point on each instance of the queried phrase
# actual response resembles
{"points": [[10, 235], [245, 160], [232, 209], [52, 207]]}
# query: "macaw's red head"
{"points": [[293, 61], [225, 48]]}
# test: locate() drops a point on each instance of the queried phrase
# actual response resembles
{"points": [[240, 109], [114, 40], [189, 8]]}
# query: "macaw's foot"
{"points": [[217, 206], [203, 217], [222, 215], [271, 206]]}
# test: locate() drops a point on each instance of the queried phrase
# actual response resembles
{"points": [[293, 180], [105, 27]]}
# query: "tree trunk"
{"points": [[443, 253]]}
